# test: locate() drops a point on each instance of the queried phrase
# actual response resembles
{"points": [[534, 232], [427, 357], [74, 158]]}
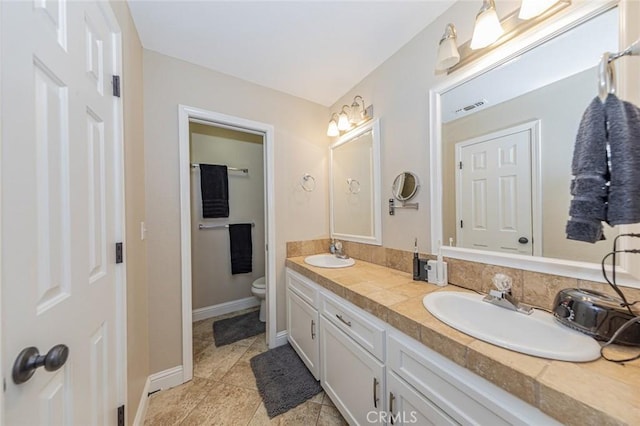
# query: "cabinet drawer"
{"points": [[366, 330], [303, 287], [464, 396]]}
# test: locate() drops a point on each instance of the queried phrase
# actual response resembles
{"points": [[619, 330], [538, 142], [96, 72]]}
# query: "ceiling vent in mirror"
{"points": [[472, 106]]}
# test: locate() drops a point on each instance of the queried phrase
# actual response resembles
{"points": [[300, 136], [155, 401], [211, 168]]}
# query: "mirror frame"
{"points": [[576, 15], [376, 238]]}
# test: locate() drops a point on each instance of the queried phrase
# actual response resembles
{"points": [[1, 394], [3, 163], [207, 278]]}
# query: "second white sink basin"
{"points": [[538, 334], [328, 261]]}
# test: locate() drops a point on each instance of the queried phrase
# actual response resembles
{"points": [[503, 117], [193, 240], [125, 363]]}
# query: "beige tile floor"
{"points": [[223, 390]]}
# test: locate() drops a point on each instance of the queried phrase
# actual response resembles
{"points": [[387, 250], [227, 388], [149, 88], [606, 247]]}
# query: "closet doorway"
{"points": [[209, 288]]}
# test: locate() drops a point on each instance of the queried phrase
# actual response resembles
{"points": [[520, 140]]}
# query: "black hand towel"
{"points": [[214, 185], [240, 247]]}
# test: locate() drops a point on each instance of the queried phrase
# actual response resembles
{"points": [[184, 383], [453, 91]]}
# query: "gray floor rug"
{"points": [[283, 380], [233, 329]]}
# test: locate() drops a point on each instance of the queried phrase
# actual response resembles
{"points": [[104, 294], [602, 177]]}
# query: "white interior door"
{"points": [[61, 210], [493, 186]]}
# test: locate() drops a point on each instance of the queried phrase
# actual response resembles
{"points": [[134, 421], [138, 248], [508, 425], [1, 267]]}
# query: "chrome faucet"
{"points": [[502, 296], [340, 254]]}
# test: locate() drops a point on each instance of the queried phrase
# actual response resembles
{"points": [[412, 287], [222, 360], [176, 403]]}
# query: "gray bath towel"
{"points": [[624, 144], [589, 186]]}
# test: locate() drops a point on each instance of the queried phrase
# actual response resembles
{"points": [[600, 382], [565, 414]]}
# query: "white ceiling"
{"points": [[316, 50]]}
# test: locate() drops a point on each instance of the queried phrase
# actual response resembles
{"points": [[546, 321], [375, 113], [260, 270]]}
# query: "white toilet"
{"points": [[259, 290]]}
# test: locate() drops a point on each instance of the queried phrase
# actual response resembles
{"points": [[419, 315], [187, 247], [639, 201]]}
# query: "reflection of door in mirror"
{"points": [[558, 107], [494, 193]]}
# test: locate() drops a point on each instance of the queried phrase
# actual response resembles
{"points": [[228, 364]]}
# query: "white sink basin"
{"points": [[538, 334], [328, 261]]}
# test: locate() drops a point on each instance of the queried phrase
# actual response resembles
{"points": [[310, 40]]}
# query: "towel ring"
{"points": [[606, 77], [354, 185], [308, 182]]}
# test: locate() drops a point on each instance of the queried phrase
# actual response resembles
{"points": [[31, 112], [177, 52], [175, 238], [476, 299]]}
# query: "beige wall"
{"points": [[300, 147], [559, 107], [135, 249], [212, 281]]}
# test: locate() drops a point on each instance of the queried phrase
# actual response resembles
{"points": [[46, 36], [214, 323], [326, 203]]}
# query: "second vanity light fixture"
{"points": [[349, 117], [490, 32]]}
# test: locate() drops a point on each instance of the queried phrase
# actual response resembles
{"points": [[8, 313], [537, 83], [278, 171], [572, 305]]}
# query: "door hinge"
{"points": [[121, 415], [460, 165], [461, 224], [119, 253], [115, 81]]}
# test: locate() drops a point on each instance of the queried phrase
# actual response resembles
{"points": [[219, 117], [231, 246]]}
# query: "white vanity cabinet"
{"points": [[302, 320], [352, 360]]}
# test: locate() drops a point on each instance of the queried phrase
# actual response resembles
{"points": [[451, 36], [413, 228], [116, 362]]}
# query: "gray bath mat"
{"points": [[283, 380], [231, 330]]}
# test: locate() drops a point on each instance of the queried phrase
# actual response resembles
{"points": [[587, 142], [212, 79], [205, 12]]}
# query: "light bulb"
{"points": [[488, 28], [343, 121], [332, 130]]}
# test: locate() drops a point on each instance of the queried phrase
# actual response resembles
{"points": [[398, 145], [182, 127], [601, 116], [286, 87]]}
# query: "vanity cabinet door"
{"points": [[406, 406], [302, 323], [353, 378]]}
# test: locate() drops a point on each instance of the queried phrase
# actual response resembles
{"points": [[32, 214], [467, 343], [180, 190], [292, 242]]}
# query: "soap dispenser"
{"points": [[332, 246]]}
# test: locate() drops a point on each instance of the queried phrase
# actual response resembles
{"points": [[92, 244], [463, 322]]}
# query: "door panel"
{"points": [[494, 192], [60, 209]]}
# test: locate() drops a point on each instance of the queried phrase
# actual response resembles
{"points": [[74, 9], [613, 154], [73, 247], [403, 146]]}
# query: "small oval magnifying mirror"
{"points": [[405, 186]]}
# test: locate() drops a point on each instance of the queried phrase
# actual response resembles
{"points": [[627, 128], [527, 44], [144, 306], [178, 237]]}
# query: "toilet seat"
{"points": [[260, 283]]}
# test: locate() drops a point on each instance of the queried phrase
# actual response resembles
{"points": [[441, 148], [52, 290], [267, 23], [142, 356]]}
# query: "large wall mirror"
{"points": [[355, 185], [503, 137]]}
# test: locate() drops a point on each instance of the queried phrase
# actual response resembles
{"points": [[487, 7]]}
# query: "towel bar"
{"points": [[233, 169], [203, 226]]}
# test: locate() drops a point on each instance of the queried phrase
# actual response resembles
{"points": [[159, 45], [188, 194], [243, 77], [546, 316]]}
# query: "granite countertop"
{"points": [[592, 393]]}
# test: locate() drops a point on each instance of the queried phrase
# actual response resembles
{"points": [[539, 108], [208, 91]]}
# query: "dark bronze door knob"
{"points": [[30, 359]]}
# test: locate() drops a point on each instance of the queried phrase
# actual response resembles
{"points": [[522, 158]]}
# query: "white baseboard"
{"points": [[141, 413], [224, 308], [166, 379], [281, 338]]}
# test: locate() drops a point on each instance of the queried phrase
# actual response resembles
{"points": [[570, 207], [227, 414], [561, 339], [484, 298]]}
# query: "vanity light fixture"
{"points": [[349, 117], [490, 32], [487, 28], [448, 54], [532, 8]]}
